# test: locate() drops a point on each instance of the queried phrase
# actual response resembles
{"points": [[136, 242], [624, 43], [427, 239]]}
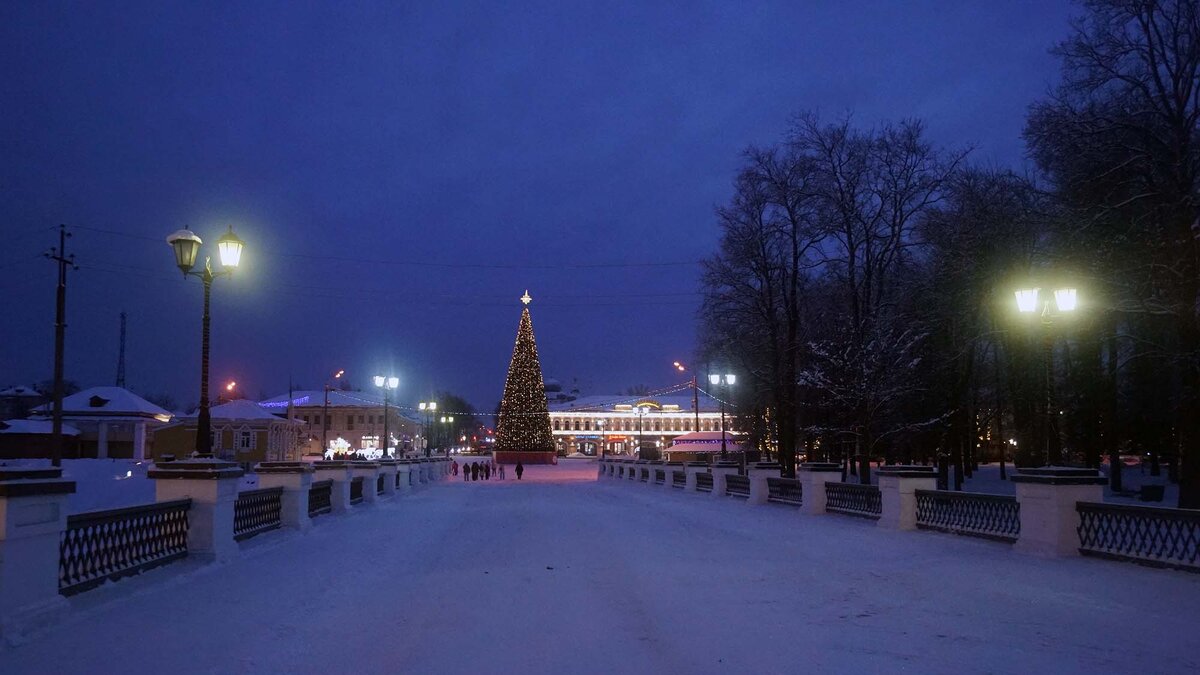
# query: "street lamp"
{"points": [[641, 411], [695, 394], [186, 245], [428, 407], [1065, 300], [325, 414], [727, 380], [386, 384], [446, 419], [600, 430]]}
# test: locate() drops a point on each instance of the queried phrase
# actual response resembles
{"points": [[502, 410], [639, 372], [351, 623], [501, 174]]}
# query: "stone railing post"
{"points": [[388, 467], [693, 468], [669, 469], [654, 466], [1047, 498], [897, 494], [368, 471], [339, 473], [404, 468], [719, 471], [638, 465], [296, 480], [812, 477], [33, 515], [601, 467], [758, 474], [212, 486]]}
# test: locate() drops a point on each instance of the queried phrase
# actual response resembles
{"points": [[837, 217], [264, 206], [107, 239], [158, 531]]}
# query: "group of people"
{"points": [[483, 470]]}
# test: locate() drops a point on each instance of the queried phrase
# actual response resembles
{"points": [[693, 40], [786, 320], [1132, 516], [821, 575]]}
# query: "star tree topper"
{"points": [[525, 298]]}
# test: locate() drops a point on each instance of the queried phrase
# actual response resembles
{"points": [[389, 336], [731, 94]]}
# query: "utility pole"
{"points": [[121, 355], [64, 261]]}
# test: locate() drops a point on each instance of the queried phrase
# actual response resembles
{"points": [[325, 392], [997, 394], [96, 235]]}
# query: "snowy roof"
{"points": [[34, 427], [108, 402], [682, 399], [22, 391], [241, 409], [338, 399]]}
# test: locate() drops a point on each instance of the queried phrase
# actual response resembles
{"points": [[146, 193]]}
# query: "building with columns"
{"points": [[113, 422], [595, 425]]}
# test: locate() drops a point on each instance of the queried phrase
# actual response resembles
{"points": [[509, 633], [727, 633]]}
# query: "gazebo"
{"points": [[112, 421]]}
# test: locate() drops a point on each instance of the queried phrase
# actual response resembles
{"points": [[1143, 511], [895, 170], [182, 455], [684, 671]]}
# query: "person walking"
{"points": [[487, 470], [466, 472], [454, 467], [520, 469], [474, 470], [501, 470]]}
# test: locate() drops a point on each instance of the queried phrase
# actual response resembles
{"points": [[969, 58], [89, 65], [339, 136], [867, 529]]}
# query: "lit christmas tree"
{"points": [[524, 419]]}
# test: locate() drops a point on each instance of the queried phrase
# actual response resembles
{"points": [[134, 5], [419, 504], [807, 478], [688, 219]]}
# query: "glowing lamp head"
{"points": [[730, 378], [186, 245], [338, 374], [379, 380], [1027, 300], [1065, 299], [433, 405], [229, 247], [393, 382], [421, 405], [230, 386], [714, 379]]}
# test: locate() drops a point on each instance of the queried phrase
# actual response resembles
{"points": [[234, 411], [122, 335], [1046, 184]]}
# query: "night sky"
{"points": [[402, 174]]}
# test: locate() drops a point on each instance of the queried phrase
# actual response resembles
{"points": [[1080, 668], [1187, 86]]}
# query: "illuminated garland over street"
{"points": [[524, 416]]}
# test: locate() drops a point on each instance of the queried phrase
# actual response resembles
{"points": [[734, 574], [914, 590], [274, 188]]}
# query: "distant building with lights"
{"points": [[594, 425], [353, 422]]}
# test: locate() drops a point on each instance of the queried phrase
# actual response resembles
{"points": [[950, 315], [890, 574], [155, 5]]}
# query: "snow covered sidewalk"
{"points": [[560, 574]]}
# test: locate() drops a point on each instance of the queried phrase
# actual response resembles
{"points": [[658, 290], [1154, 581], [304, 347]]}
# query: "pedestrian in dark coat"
{"points": [[474, 470], [487, 471], [520, 469], [466, 472]]}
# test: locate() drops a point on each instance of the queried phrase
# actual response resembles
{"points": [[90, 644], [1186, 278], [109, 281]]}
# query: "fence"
{"points": [[256, 511], [660, 476], [784, 490], [320, 498], [974, 514], [356, 490], [737, 486], [1143, 534], [853, 500], [379, 484], [644, 474], [678, 479], [704, 482], [111, 544]]}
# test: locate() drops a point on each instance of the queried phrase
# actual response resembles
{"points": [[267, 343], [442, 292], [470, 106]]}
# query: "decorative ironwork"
{"points": [[1149, 535], [101, 545], [256, 511], [356, 495], [678, 479], [974, 514], [320, 498], [660, 476], [784, 490], [379, 484], [737, 486], [853, 499], [704, 482], [644, 474]]}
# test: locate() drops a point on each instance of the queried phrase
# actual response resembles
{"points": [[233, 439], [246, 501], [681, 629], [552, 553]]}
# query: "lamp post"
{"points": [[727, 380], [444, 432], [1064, 302], [641, 413], [695, 395], [428, 407], [386, 384], [600, 430], [325, 415], [187, 247]]}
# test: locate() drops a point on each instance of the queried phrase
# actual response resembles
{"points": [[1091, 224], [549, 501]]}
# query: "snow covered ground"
{"points": [[558, 573]]}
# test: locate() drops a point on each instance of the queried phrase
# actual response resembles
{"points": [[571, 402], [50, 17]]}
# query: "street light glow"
{"points": [[1065, 299], [730, 378], [230, 249], [230, 386], [1027, 300], [714, 379]]}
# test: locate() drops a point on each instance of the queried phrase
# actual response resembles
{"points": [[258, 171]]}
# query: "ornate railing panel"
{"points": [[737, 486], [660, 476], [679, 479], [1144, 534], [356, 488], [256, 511], [115, 543], [704, 482], [644, 474], [784, 491], [320, 498], [853, 499], [974, 514]]}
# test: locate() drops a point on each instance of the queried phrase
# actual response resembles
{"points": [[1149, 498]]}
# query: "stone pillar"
{"points": [[388, 467], [758, 474], [670, 468], [719, 471], [33, 515], [102, 440], [339, 473], [296, 479], [693, 468], [403, 468], [600, 468], [812, 477], [212, 486], [653, 466], [1047, 498], [897, 492], [369, 472], [139, 441]]}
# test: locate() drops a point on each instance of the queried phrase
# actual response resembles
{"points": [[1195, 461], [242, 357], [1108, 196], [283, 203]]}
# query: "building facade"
{"points": [[620, 425], [351, 424], [241, 432]]}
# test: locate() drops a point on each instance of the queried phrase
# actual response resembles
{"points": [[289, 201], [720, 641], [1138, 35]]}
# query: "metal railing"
{"points": [[679, 479], [660, 476], [737, 486], [320, 498], [115, 543], [256, 511], [784, 491], [356, 490], [974, 514], [644, 474], [1148, 535], [853, 499], [704, 482]]}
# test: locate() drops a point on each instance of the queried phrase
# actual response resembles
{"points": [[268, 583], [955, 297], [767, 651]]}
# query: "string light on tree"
{"points": [[524, 416]]}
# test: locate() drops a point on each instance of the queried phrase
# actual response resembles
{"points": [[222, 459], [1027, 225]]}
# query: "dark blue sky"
{"points": [[402, 174]]}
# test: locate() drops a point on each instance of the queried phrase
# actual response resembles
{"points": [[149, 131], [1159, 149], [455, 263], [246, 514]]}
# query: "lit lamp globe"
{"points": [[229, 248]]}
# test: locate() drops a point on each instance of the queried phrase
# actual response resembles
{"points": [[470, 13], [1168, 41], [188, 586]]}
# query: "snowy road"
{"points": [[561, 574]]}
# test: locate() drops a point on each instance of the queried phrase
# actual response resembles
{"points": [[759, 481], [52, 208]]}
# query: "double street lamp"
{"points": [[1052, 306], [444, 433], [641, 411], [386, 384], [186, 245], [427, 407], [727, 380]]}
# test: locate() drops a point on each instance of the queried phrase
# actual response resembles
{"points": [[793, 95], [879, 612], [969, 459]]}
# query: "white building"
{"points": [[595, 425], [352, 422]]}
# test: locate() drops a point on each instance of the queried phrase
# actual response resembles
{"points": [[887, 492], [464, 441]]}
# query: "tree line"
{"points": [[865, 281]]}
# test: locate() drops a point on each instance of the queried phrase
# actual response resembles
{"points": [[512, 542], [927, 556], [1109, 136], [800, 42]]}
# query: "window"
{"points": [[350, 422], [360, 419], [247, 440], [305, 418], [216, 440]]}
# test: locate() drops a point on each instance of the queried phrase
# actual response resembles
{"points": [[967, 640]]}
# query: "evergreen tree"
{"points": [[524, 418]]}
